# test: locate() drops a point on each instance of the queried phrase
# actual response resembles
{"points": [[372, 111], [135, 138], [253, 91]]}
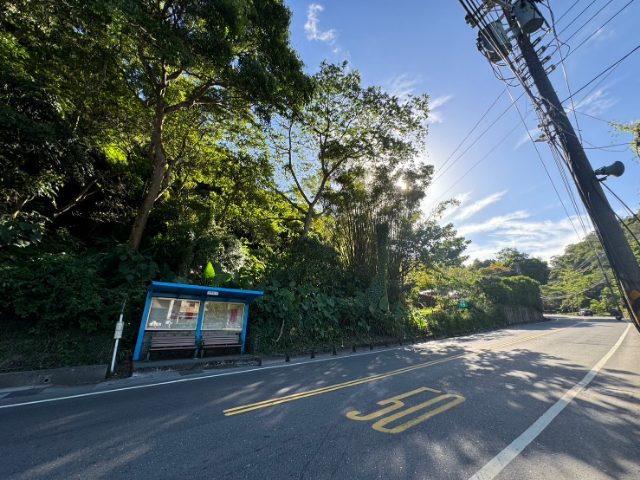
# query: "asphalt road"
{"points": [[557, 400]]}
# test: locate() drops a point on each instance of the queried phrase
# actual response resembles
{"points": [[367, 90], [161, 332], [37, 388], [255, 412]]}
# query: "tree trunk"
{"points": [[159, 162], [307, 223]]}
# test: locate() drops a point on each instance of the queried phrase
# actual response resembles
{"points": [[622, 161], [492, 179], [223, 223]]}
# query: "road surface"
{"points": [[555, 400]]}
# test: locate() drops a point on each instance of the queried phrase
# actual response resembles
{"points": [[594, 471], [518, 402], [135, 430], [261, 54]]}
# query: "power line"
{"points": [[604, 148], [564, 72], [620, 200], [574, 294], [585, 23], [591, 116], [571, 7], [573, 50], [472, 130], [543, 164], [474, 166], [576, 17], [602, 73], [474, 142]]}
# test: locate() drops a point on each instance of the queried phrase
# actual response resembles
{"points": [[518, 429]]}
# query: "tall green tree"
{"points": [[344, 130], [213, 56]]}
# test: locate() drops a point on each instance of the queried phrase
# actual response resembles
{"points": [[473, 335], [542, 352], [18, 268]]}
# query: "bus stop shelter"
{"points": [[174, 309]]}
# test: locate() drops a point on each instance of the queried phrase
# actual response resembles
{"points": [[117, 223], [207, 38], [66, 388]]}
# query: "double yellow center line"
{"points": [[332, 388]]}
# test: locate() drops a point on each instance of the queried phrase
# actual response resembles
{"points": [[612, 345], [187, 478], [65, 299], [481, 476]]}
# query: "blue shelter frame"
{"points": [[176, 291]]}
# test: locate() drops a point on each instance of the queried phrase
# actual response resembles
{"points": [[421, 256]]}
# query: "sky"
{"points": [[507, 198]]}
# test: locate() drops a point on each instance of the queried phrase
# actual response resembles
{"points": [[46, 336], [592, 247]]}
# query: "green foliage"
{"points": [[522, 264], [633, 128], [59, 285], [214, 276], [209, 274], [342, 132], [136, 145], [513, 291], [19, 234], [294, 315], [580, 276]]}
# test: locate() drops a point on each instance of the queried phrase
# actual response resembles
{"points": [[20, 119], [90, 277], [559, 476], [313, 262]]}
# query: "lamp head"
{"points": [[616, 169]]}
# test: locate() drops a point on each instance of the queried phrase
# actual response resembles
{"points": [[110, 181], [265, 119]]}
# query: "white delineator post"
{"points": [[117, 335]]}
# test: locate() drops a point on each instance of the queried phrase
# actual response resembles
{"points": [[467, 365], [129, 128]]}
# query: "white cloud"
{"points": [[603, 34], [462, 198], [434, 116], [468, 212], [539, 239], [402, 85], [312, 28], [496, 223], [439, 101], [534, 133], [597, 103]]}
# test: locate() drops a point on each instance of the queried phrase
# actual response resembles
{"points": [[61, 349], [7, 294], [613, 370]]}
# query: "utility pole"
{"points": [[552, 115]]}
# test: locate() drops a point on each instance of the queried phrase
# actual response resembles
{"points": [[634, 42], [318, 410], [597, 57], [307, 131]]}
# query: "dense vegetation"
{"points": [[183, 142], [581, 278]]}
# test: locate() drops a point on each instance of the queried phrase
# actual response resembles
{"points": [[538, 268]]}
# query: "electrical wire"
{"points": [[543, 164], [614, 65], [573, 50], [576, 17], [564, 71], [474, 166], [604, 149], [574, 294], [591, 116], [585, 23], [469, 147], [569, 9], [472, 130], [620, 200]]}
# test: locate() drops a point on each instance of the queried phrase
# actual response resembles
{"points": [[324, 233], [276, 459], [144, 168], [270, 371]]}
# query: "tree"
{"points": [[633, 128], [479, 264], [39, 151], [523, 264], [345, 129], [213, 56]]}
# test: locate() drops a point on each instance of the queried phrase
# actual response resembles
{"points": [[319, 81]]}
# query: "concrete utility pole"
{"points": [[612, 238]]}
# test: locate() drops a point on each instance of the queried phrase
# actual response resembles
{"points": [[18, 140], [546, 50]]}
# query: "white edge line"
{"points": [[193, 379], [500, 461]]}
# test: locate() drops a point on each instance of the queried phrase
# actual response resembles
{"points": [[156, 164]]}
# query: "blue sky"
{"points": [[426, 47]]}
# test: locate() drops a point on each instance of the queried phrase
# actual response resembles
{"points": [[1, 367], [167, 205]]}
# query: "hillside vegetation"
{"points": [[184, 142]]}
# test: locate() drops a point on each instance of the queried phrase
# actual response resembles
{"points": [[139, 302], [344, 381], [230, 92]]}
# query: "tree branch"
{"points": [[290, 165], [193, 100], [84, 193], [291, 202]]}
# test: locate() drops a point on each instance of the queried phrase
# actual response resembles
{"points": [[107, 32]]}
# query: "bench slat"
{"points": [[172, 343], [218, 341]]}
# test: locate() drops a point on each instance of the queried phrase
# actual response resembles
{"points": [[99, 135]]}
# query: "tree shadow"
{"points": [[173, 430]]}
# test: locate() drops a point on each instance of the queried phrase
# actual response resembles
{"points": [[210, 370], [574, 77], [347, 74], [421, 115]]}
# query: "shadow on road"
{"points": [[180, 430]]}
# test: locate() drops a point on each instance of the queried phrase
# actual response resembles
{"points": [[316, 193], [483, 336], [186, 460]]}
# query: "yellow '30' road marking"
{"points": [[332, 388]]}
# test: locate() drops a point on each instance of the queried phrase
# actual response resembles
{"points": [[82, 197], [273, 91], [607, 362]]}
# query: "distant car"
{"points": [[585, 313]]}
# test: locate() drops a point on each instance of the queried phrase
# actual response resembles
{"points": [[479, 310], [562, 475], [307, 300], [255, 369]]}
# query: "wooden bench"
{"points": [[218, 341], [173, 343]]}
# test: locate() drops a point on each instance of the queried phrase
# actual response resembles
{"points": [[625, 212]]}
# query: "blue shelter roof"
{"points": [[178, 290]]}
